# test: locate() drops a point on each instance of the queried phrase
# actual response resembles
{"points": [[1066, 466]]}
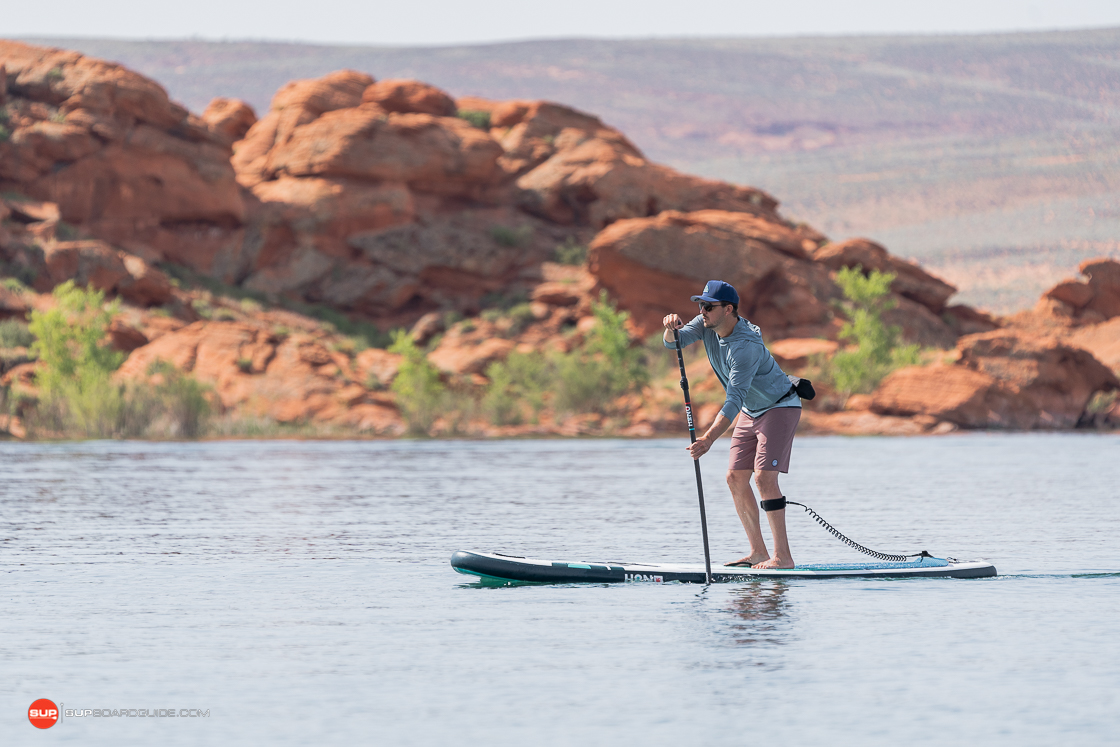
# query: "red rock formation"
{"points": [[911, 281], [410, 96], [297, 103], [1101, 340], [230, 117], [653, 265], [97, 264], [113, 152], [578, 171], [956, 394], [294, 379], [1093, 300], [440, 155], [373, 198], [795, 353], [1003, 379], [1056, 380]]}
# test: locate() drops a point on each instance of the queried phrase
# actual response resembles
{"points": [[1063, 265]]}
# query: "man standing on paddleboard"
{"points": [[759, 392]]}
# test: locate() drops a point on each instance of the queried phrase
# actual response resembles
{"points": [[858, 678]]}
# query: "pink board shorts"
{"points": [[764, 443]]}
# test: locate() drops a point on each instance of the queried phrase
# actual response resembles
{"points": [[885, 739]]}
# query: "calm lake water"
{"points": [[301, 593]]}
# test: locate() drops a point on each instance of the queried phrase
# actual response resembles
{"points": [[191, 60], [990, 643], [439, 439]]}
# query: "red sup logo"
{"points": [[43, 714]]}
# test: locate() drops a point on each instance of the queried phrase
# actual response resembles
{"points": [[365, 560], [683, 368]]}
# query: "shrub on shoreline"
{"points": [[588, 378], [78, 397], [876, 350], [420, 393]]}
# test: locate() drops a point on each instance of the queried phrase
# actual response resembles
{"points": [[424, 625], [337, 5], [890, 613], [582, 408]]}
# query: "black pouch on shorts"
{"points": [[803, 387]]}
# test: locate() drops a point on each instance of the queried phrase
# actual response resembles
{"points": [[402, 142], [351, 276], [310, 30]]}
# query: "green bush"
{"points": [[419, 392], [517, 384], [251, 306], [478, 118], [181, 403], [175, 405], [5, 133], [511, 237], [571, 252], [876, 350], [15, 285], [68, 338], [15, 334], [586, 379], [77, 395], [203, 308], [520, 316], [606, 366]]}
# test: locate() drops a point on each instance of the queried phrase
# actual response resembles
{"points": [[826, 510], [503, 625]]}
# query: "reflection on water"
{"points": [[762, 611]]}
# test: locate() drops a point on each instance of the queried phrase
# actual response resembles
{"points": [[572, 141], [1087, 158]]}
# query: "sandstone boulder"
{"points": [[1104, 280], [378, 367], [296, 103], [231, 118], [957, 394], [911, 281], [920, 325], [795, 353], [290, 379], [596, 181], [558, 294], [409, 96], [1102, 340], [145, 285], [94, 263], [965, 320], [1057, 380], [125, 337], [335, 207], [653, 265], [111, 150], [444, 155], [90, 262], [452, 356], [1089, 301]]}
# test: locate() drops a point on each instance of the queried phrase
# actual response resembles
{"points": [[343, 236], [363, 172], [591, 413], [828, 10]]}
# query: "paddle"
{"points": [[696, 462]]}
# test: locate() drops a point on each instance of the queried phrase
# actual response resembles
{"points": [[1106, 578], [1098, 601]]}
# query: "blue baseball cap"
{"points": [[717, 291]]}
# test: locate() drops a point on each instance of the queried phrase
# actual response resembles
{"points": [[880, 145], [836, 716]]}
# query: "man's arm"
{"points": [[744, 364], [704, 443], [690, 332]]}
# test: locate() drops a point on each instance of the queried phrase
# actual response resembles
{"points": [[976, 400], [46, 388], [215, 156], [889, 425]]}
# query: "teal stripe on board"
{"points": [[922, 563]]}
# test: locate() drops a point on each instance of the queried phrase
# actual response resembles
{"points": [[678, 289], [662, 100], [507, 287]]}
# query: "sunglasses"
{"points": [[709, 306]]}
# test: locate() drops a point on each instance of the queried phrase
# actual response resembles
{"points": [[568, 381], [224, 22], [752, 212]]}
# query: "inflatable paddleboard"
{"points": [[499, 567]]}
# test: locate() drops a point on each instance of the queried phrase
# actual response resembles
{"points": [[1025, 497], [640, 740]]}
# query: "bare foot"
{"points": [[749, 559], [776, 563]]}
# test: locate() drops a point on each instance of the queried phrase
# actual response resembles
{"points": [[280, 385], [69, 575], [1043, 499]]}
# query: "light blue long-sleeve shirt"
{"points": [[752, 378]]}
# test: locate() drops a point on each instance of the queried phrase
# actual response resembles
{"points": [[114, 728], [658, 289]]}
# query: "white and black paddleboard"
{"points": [[499, 567]]}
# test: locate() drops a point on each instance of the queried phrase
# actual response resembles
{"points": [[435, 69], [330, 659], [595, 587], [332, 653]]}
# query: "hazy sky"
{"points": [[414, 22]]}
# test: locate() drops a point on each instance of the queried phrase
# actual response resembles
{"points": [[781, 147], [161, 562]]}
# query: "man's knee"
{"points": [[739, 477], [766, 478]]}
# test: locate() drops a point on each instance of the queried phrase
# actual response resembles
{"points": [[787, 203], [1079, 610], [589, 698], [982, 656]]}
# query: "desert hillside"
{"points": [[525, 245], [992, 159]]}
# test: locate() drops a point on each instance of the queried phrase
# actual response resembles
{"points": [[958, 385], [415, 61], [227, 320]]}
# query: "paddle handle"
{"points": [[695, 462]]}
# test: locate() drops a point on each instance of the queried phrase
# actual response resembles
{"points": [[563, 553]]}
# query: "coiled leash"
{"points": [[777, 504]]}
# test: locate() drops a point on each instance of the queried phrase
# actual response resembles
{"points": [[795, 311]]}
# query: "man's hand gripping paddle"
{"points": [[695, 462]]}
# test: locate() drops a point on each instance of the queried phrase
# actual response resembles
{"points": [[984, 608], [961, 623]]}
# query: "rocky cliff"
{"points": [[392, 203]]}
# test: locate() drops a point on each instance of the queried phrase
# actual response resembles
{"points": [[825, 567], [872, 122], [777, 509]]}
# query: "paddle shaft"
{"points": [[695, 462]]}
